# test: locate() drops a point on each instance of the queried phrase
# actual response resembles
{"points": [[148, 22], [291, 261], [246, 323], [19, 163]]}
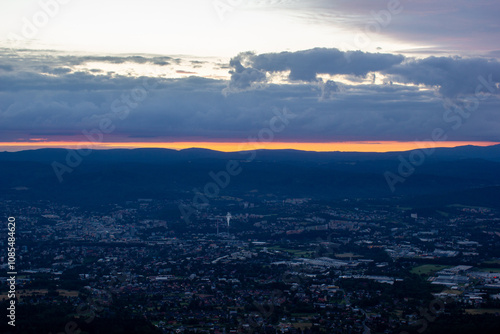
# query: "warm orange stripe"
{"points": [[361, 146]]}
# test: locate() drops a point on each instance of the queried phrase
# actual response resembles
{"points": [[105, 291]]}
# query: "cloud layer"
{"points": [[453, 76], [305, 65], [463, 26], [50, 97]]}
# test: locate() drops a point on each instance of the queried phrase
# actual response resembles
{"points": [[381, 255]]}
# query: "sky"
{"points": [[308, 74]]}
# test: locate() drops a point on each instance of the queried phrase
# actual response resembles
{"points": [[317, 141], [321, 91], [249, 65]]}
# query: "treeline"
{"points": [[58, 318]]}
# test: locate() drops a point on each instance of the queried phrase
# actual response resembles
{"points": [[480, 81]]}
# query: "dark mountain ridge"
{"points": [[103, 176], [157, 155]]}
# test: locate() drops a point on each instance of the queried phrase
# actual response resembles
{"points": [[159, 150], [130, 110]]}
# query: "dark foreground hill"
{"points": [[466, 175]]}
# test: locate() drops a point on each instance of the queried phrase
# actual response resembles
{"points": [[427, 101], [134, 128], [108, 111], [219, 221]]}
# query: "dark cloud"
{"points": [[55, 71], [328, 89], [7, 68], [243, 77], [78, 60], [62, 102], [75, 81], [453, 75], [305, 65], [194, 108]]}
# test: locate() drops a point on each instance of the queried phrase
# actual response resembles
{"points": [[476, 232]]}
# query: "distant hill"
{"points": [[156, 155], [119, 175]]}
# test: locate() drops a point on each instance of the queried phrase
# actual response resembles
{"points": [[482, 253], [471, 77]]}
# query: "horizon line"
{"points": [[346, 146]]}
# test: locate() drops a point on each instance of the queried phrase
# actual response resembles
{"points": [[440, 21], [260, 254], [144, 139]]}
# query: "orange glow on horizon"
{"points": [[357, 146]]}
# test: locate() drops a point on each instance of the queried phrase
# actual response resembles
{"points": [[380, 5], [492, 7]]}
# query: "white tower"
{"points": [[228, 219]]}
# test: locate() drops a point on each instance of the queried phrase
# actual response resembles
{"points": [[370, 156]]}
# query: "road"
{"points": [[367, 330]]}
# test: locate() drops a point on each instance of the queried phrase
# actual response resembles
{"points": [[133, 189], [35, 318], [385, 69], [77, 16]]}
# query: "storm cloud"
{"points": [[306, 65], [453, 76], [57, 103]]}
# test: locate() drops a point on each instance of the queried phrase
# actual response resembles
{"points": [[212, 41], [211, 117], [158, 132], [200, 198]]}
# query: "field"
{"points": [[295, 252], [490, 270], [428, 269], [476, 311], [347, 255], [24, 293], [302, 325]]}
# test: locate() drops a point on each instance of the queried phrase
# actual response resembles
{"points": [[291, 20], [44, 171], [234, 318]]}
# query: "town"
{"points": [[283, 266]]}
